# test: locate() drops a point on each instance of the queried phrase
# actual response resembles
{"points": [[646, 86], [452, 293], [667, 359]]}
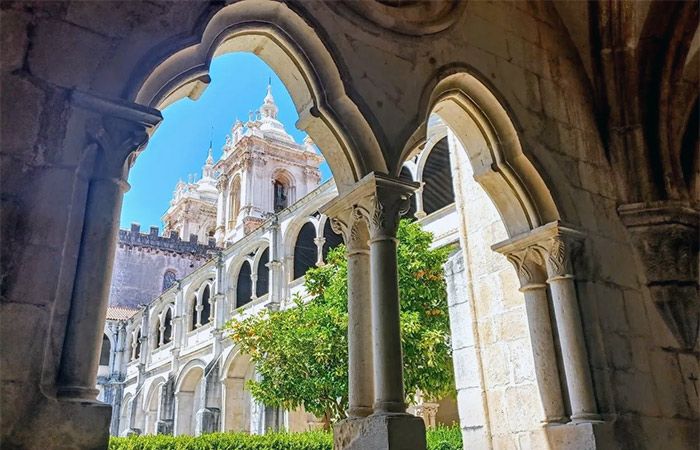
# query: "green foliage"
{"points": [[227, 441], [301, 353], [442, 438]]}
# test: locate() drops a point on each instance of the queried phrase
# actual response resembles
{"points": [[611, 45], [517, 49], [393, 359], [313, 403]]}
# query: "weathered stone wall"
{"points": [[142, 259], [523, 51]]}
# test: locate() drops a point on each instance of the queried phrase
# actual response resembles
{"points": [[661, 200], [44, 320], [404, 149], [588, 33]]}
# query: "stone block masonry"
{"points": [[143, 259]]}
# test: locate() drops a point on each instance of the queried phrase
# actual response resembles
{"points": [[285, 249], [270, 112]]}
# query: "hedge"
{"points": [[443, 438]]}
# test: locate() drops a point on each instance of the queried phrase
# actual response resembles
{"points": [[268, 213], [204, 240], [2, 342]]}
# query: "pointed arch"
{"points": [[485, 130], [288, 44]]}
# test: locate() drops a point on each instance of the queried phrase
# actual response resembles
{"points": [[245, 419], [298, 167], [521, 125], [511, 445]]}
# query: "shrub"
{"points": [[442, 438]]}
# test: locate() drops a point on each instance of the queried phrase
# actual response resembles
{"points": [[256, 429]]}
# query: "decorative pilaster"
{"points": [[115, 134]]}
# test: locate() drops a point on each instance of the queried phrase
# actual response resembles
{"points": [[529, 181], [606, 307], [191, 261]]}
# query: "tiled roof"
{"points": [[120, 312]]}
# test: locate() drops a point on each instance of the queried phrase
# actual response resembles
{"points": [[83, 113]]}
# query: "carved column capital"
{"points": [[553, 246], [116, 133], [529, 264], [377, 199], [387, 207], [560, 250]]}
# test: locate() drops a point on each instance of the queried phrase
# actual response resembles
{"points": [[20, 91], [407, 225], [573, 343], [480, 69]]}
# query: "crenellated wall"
{"points": [[142, 260]]}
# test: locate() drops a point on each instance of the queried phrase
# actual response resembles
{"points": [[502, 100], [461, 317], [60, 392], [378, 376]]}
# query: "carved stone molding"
{"points": [[665, 236], [409, 17]]}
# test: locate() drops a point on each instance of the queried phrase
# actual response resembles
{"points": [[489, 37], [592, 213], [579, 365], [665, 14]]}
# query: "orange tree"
{"points": [[301, 353]]}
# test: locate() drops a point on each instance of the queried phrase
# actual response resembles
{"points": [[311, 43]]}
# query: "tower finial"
{"points": [[211, 139]]}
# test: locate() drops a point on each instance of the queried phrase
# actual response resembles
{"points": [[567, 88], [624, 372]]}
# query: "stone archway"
{"points": [[237, 402], [187, 399], [293, 50], [485, 144]]}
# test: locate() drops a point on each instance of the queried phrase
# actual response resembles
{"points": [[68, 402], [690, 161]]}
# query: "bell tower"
{"points": [[262, 170]]}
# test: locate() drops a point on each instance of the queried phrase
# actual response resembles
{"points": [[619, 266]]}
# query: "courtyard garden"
{"points": [[441, 438]]}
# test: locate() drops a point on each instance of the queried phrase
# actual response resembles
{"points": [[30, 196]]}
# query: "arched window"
{"points": [[168, 323], [305, 251], [437, 178], [137, 350], [156, 334], [206, 306], [406, 175], [280, 196], [244, 288], [234, 205], [262, 285], [332, 239], [169, 279], [106, 349], [193, 302]]}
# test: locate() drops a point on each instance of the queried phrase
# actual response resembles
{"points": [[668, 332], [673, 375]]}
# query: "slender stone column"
{"points": [[529, 263], [114, 140], [360, 358], [319, 241], [571, 337], [379, 200], [222, 187], [387, 206], [420, 212]]}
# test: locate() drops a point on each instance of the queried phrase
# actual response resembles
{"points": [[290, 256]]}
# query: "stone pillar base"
{"points": [[164, 427], [207, 421], [79, 425], [380, 432]]}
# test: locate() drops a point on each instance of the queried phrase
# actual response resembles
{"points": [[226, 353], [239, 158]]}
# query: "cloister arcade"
{"points": [[539, 110]]}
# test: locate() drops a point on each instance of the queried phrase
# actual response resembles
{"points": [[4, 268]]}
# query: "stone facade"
{"points": [[146, 264], [579, 117]]}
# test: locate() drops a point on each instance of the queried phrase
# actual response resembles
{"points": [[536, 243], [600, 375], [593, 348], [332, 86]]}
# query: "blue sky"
{"points": [[179, 146]]}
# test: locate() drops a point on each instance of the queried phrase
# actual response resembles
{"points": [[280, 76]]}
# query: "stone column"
{"points": [[529, 264], [355, 233], [178, 326], [218, 304], [276, 277], [387, 207], [254, 282], [208, 416], [569, 327], [420, 212], [166, 407], [380, 200], [222, 187], [319, 241], [114, 140]]}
